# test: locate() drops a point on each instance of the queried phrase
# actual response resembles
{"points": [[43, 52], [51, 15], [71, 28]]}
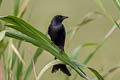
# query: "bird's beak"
{"points": [[65, 17]]}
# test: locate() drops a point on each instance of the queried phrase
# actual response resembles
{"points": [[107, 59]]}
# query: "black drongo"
{"points": [[57, 34]]}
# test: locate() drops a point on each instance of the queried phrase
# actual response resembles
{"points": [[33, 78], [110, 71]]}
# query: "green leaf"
{"points": [[46, 67], [1, 2], [23, 8], [89, 44], [1, 26], [108, 34], [9, 61], [99, 3], [105, 74], [19, 70], [28, 39], [16, 7], [117, 2], [93, 53], [78, 63], [75, 52], [3, 48], [111, 70], [32, 35], [2, 35], [27, 28], [86, 20], [117, 24], [99, 77], [30, 67]]}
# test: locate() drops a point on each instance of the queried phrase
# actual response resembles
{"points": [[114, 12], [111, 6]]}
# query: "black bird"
{"points": [[57, 33]]}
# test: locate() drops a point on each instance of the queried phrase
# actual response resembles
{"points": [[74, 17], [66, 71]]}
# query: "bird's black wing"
{"points": [[61, 36], [52, 33], [57, 35]]}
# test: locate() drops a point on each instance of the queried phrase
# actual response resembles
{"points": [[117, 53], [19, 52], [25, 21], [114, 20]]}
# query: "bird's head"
{"points": [[59, 18]]}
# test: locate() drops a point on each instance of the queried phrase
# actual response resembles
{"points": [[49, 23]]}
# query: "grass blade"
{"points": [[30, 67], [34, 70], [0, 2], [117, 2], [110, 71], [84, 20], [19, 70], [18, 54], [9, 65], [2, 35], [99, 3], [41, 40], [47, 67], [23, 8], [100, 44], [75, 52], [93, 53], [89, 44], [88, 18], [16, 7], [24, 25], [3, 48], [99, 77]]}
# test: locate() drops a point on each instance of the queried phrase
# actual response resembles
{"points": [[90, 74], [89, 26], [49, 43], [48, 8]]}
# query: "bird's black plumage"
{"points": [[56, 31]]}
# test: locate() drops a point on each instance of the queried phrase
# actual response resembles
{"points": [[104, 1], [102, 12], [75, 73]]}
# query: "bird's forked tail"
{"points": [[62, 67]]}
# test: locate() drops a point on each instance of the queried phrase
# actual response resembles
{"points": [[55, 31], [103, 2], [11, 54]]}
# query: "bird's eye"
{"points": [[60, 17]]}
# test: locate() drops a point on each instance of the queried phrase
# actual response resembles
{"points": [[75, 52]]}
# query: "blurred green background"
{"points": [[40, 13]]}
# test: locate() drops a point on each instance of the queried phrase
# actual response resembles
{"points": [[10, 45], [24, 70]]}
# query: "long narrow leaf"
{"points": [[10, 55], [47, 67], [39, 39], [1, 2], [101, 43], [92, 54], [19, 70], [28, 39], [3, 49], [108, 72], [30, 67], [117, 2], [111, 70], [16, 7], [17, 53], [19, 22], [99, 3], [99, 77], [23, 8], [76, 52], [45, 43], [2, 35]]}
